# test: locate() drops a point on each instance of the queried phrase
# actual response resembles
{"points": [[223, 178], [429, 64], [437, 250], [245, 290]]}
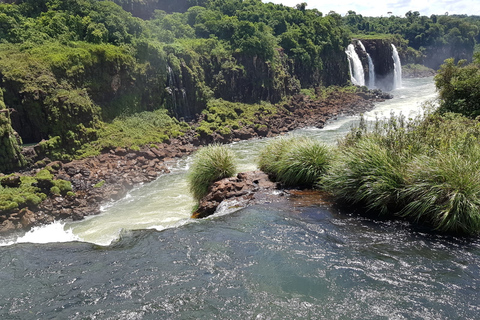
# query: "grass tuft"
{"points": [[295, 161], [210, 163]]}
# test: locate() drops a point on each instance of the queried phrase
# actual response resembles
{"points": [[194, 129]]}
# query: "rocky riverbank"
{"points": [[110, 175]]}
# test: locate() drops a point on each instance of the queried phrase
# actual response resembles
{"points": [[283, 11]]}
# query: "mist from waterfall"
{"points": [[357, 75], [397, 78], [371, 67]]}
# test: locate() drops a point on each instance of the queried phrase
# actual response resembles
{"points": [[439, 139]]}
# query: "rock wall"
{"points": [[10, 151], [381, 53]]}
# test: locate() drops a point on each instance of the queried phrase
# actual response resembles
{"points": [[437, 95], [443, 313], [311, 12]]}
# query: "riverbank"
{"points": [[109, 176]]}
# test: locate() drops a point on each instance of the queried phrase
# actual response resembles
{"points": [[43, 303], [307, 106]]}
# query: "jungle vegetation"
{"points": [[74, 71]]}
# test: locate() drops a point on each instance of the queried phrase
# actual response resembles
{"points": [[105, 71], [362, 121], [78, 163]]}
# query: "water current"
{"points": [[143, 258]]}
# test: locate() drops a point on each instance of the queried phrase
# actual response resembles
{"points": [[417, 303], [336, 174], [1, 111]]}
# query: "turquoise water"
{"points": [[143, 258]]}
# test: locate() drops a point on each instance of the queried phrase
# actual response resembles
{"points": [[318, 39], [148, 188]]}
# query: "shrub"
{"points": [[367, 173], [295, 161], [427, 170], [210, 163], [444, 191], [270, 156]]}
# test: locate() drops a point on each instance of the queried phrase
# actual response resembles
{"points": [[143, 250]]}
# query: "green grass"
{"points": [[210, 163], [445, 191], [135, 131], [223, 116], [31, 191], [427, 170], [295, 161]]}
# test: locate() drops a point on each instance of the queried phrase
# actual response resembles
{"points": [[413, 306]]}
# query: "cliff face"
{"points": [[10, 155], [381, 53]]}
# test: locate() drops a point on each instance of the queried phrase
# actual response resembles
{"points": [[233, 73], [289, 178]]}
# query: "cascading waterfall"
{"points": [[397, 78], [371, 67], [357, 75], [172, 86]]}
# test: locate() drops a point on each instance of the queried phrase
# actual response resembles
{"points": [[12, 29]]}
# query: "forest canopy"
{"points": [[69, 68]]}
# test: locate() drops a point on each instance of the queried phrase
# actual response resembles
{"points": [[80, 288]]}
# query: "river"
{"points": [[144, 258]]}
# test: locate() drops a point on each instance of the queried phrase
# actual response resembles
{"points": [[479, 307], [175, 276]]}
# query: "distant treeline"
{"points": [[437, 37]]}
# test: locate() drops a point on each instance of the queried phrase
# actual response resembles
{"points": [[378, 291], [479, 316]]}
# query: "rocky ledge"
{"points": [[254, 188], [112, 174]]}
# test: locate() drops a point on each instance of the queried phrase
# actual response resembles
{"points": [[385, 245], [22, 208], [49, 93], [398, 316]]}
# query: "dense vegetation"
{"points": [[426, 169], [69, 68], [431, 40], [459, 87], [295, 161]]}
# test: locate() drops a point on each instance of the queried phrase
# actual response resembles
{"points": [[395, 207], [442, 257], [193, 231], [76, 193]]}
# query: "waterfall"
{"points": [[355, 64], [172, 87], [371, 67], [397, 78]]}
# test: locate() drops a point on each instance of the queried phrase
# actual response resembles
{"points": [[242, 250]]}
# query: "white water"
{"points": [[371, 67], [397, 79], [166, 202], [357, 76]]}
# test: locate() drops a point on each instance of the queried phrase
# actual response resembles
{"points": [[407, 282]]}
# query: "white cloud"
{"points": [[398, 8]]}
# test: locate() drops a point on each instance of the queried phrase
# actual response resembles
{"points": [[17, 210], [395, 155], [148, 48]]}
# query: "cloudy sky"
{"points": [[398, 8]]}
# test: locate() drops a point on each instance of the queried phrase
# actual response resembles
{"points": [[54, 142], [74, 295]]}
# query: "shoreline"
{"points": [[110, 175]]}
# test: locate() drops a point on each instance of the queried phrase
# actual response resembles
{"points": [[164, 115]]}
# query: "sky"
{"points": [[375, 8]]}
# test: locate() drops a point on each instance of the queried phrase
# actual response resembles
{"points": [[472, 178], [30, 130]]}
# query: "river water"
{"points": [[143, 258]]}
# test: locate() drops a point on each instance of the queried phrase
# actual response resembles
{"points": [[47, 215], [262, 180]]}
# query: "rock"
{"points": [[27, 218], [120, 151], [7, 226], [243, 186], [11, 181]]}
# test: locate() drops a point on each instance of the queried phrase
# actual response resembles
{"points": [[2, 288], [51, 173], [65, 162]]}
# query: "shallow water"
{"points": [[277, 261]]}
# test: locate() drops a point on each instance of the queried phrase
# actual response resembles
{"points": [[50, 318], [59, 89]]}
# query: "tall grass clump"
{"points": [[444, 191], [210, 163], [366, 173], [426, 169], [295, 161]]}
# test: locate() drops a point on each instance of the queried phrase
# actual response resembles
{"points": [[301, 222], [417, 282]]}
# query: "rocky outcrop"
{"points": [[11, 157], [240, 191], [417, 71], [254, 188]]}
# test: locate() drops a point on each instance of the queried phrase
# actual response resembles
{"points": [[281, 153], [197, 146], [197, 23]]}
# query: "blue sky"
{"points": [[398, 8]]}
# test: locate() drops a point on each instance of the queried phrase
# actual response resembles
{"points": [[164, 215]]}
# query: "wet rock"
{"points": [[244, 186], [27, 218], [7, 226]]}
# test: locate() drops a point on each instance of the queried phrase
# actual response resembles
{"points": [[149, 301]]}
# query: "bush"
{"points": [[210, 163], [270, 156], [444, 191], [366, 173], [295, 161], [427, 170]]}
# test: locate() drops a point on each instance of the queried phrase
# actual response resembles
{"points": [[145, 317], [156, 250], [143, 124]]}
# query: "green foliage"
{"points": [[99, 184], [426, 169], [30, 191], [459, 87], [295, 161], [210, 163], [135, 131], [223, 116]]}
